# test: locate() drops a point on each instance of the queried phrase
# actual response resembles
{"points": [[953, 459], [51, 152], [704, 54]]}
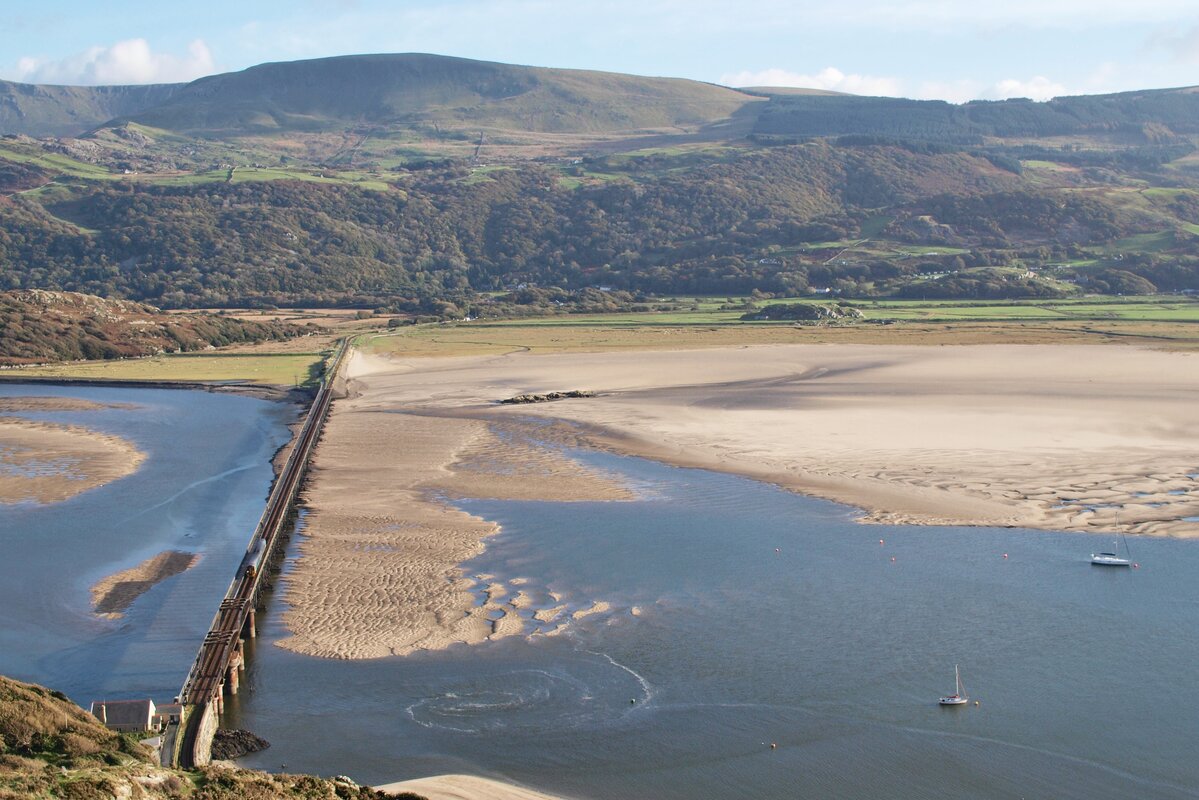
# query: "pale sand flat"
{"points": [[44, 462], [968, 435], [464, 787]]}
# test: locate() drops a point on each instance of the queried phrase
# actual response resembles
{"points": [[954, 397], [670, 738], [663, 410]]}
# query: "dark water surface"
{"points": [[201, 489], [835, 648]]}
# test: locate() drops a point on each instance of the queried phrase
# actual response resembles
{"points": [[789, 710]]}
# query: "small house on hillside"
{"points": [[167, 713], [129, 716]]}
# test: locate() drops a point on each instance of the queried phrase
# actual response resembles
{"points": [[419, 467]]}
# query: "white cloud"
{"points": [[959, 91], [1037, 88], [829, 78], [129, 61], [955, 91]]}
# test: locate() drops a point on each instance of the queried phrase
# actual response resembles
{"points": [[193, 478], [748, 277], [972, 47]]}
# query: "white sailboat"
{"points": [[1112, 559], [958, 698]]}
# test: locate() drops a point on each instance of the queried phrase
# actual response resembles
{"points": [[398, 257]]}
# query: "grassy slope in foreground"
{"points": [[51, 748]]}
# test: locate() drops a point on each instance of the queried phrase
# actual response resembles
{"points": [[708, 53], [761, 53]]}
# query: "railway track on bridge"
{"points": [[219, 658]]}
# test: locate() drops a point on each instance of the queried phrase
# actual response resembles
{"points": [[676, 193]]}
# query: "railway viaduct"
{"points": [[216, 671]]}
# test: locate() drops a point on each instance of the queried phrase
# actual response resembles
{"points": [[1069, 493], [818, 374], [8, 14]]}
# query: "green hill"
{"points": [[439, 94], [38, 327], [70, 110], [359, 180], [408, 88], [1144, 117]]}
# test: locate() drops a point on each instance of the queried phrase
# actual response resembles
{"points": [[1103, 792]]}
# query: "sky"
{"points": [[954, 50]]}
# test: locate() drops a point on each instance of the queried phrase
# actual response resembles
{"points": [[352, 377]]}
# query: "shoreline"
{"points": [[262, 391], [464, 787]]}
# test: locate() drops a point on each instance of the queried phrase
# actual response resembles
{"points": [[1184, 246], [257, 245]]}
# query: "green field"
{"points": [[1133, 309], [278, 370], [57, 163], [1161, 321]]}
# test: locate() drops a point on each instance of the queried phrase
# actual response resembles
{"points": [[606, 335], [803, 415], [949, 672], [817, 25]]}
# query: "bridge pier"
{"points": [[251, 624], [237, 662]]}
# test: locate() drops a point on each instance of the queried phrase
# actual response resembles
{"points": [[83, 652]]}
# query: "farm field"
{"points": [[1159, 322], [277, 370]]}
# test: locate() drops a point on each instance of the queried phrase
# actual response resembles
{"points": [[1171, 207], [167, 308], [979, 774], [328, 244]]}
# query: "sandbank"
{"points": [[1059, 437], [1056, 437], [114, 594], [463, 787], [378, 572], [16, 404], [45, 462]]}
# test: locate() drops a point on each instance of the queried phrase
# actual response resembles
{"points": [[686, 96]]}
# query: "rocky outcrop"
{"points": [[230, 744], [547, 397]]}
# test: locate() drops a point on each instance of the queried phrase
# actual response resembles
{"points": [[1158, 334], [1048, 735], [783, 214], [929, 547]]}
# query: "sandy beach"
{"points": [[1052, 437], [463, 787], [44, 462]]}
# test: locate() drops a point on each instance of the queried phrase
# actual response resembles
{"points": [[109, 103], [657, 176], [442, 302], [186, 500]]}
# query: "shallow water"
{"points": [[834, 647], [201, 489]]}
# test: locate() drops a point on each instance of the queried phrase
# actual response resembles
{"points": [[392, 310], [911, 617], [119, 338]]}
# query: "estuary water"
{"points": [[744, 616], [200, 490]]}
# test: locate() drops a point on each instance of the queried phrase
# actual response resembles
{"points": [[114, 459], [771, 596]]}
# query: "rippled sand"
{"points": [[378, 572]]}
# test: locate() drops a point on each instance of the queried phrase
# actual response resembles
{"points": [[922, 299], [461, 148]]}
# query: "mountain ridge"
{"points": [[414, 90], [51, 110]]}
